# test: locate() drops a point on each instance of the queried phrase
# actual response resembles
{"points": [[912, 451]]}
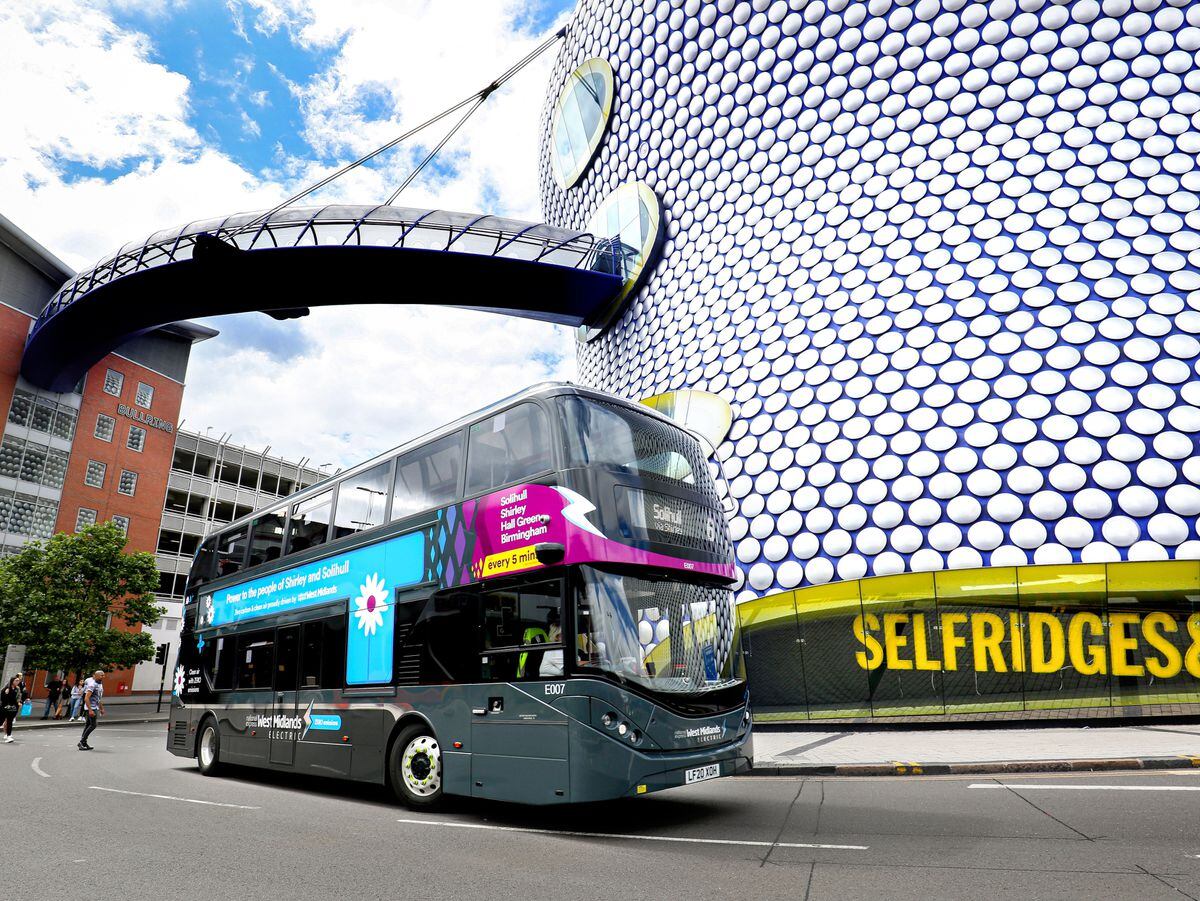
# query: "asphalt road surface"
{"points": [[141, 823]]}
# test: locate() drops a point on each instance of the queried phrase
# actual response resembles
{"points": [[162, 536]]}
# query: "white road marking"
{"points": [[1090, 788], [640, 838], [37, 769], [118, 791]]}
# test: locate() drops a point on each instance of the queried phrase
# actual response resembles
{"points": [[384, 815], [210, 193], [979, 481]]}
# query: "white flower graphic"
{"points": [[371, 601], [208, 609], [179, 681]]}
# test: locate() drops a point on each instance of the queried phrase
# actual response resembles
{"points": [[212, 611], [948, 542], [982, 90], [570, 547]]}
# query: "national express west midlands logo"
{"points": [[700, 733], [284, 727]]}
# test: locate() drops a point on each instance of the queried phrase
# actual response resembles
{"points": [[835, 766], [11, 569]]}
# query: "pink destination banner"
{"points": [[509, 524]]}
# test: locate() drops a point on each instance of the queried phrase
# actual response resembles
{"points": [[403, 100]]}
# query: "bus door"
{"points": [[518, 737], [285, 728]]}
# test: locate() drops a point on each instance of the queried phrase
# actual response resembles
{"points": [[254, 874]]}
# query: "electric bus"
{"points": [[531, 604]]}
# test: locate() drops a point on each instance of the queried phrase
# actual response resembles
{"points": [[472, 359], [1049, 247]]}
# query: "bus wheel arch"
{"points": [[208, 745], [414, 763]]}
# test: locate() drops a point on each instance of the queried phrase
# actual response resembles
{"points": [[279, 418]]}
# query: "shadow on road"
{"points": [[650, 813]]}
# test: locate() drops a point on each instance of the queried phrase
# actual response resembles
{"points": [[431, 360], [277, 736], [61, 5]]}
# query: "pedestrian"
{"points": [[93, 706], [76, 698], [10, 703], [64, 700], [53, 690]]}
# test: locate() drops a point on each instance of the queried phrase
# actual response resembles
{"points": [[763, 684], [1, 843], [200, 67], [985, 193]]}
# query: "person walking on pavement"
{"points": [[53, 690], [93, 706], [76, 699], [10, 703]]}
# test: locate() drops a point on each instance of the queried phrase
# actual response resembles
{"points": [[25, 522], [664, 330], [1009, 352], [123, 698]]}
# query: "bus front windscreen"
{"points": [[663, 634], [608, 434]]}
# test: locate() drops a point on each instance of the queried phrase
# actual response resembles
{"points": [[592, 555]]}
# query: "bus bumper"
{"points": [[655, 772]]}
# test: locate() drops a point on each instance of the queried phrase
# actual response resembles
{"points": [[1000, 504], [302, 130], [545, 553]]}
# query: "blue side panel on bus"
{"points": [[368, 577]]}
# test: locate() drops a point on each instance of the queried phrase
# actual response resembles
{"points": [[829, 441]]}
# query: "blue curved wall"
{"points": [[943, 256]]}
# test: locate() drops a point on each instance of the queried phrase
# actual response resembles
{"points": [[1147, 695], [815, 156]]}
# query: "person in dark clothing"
{"points": [[93, 706], [10, 702], [53, 689]]}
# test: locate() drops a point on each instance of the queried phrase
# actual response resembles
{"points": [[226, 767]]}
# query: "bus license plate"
{"points": [[702, 773]]}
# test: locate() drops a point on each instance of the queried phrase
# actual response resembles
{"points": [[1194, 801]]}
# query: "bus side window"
{"points": [[508, 447], [266, 541], [427, 478], [447, 632], [255, 659], [362, 501], [333, 653], [520, 626], [204, 565], [231, 552], [310, 523], [310, 654]]}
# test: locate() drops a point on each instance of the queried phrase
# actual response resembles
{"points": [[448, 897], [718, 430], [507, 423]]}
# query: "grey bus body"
{"points": [[525, 665]]}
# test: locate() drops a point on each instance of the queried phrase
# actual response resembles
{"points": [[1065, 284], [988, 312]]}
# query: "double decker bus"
{"points": [[531, 604]]}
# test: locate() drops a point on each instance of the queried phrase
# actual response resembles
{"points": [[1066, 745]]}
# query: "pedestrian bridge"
{"points": [[297, 258]]}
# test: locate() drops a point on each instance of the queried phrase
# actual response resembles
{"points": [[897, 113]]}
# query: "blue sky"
{"points": [[135, 115], [243, 69]]}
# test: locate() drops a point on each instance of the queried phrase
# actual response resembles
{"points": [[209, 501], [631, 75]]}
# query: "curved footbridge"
{"points": [[298, 258]]}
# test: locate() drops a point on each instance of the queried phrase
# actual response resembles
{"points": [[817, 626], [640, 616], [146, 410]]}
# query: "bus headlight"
{"points": [[622, 729], [635, 737], [609, 720]]}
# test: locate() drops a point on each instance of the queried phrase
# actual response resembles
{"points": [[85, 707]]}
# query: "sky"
{"points": [[122, 117]]}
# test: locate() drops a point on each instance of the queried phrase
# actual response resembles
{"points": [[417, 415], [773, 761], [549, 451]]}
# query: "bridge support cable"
{"points": [[477, 99]]}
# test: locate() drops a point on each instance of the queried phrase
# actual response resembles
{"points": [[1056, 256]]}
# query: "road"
{"points": [[142, 823]]}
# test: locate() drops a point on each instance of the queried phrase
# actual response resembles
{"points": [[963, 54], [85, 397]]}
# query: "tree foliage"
{"points": [[56, 597]]}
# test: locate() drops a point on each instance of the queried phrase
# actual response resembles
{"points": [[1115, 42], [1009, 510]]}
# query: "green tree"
{"points": [[56, 598]]}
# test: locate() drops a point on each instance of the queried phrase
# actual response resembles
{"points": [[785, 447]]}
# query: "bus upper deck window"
{"points": [[362, 500], [427, 478], [231, 552], [266, 542], [310, 523], [507, 448], [204, 566]]}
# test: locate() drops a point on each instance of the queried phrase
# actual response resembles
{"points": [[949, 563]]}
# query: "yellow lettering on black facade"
{"points": [[1170, 661], [1016, 641], [1087, 659], [893, 641], [951, 640], [872, 657], [1047, 650], [920, 648], [1124, 643], [1191, 660], [1120, 644], [987, 637]]}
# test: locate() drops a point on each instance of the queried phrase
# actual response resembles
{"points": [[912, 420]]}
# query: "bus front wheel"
{"points": [[415, 766], [208, 749]]}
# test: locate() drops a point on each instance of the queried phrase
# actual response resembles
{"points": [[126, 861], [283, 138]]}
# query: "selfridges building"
{"points": [[943, 261]]}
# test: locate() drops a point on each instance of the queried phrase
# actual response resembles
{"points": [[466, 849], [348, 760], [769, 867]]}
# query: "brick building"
{"points": [[101, 452]]}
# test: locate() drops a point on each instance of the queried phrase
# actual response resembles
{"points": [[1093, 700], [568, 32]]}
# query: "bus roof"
{"points": [[541, 389]]}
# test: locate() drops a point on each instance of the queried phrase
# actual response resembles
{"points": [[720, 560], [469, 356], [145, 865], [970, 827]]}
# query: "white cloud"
{"points": [[416, 59], [78, 89], [367, 378], [370, 378]]}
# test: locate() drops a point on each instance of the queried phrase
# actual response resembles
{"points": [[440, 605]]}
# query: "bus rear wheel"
{"points": [[208, 748], [415, 767]]}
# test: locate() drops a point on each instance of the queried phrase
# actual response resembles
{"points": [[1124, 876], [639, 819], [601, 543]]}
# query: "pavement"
{"points": [[116, 710], [146, 825], [1009, 749]]}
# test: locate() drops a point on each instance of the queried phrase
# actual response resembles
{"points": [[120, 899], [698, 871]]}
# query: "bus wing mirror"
{"points": [[549, 553]]}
